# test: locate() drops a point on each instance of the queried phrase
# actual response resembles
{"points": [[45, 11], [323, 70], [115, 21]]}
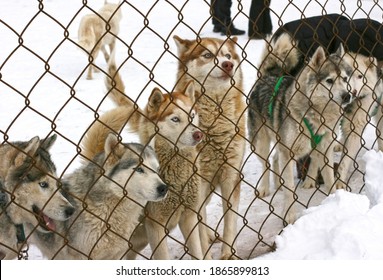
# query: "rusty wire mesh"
{"points": [[259, 219]]}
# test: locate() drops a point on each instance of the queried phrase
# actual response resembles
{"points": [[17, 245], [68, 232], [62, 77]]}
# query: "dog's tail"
{"points": [[114, 120], [280, 53], [115, 86]]}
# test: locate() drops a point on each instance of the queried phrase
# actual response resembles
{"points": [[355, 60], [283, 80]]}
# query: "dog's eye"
{"points": [[176, 119], [139, 170], [207, 55], [43, 185], [228, 56], [330, 81]]}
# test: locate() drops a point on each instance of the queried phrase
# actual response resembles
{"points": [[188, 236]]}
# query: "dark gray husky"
{"points": [[295, 114]]}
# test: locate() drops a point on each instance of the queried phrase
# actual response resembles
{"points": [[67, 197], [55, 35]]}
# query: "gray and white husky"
{"points": [[366, 106], [109, 194], [30, 200], [296, 115]]}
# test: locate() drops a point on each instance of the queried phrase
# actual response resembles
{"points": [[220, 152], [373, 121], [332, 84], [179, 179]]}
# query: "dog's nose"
{"points": [[197, 136], [69, 211], [346, 97], [162, 190], [227, 66]]}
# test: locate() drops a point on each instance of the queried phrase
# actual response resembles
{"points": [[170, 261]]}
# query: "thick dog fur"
{"points": [[215, 66], [28, 194], [168, 122], [366, 106], [96, 31], [109, 194], [276, 118]]}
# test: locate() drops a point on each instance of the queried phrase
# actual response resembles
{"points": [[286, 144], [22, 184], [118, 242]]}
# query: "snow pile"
{"points": [[374, 177], [345, 225]]}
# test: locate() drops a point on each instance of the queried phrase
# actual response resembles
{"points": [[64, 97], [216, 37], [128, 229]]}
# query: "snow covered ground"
{"points": [[43, 89]]}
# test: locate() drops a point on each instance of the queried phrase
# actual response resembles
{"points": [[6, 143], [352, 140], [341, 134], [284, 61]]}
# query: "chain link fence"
{"points": [[47, 88]]}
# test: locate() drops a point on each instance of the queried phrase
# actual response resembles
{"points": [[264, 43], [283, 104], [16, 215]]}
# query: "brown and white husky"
{"points": [[214, 65], [169, 123]]}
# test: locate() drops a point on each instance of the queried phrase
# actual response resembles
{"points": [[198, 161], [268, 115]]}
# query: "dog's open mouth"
{"points": [[45, 222]]}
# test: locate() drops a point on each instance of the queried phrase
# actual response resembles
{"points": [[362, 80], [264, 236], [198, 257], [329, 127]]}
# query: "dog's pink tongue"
{"points": [[49, 223]]}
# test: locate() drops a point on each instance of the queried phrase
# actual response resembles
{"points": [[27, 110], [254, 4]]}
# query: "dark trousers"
{"points": [[220, 11], [259, 18]]}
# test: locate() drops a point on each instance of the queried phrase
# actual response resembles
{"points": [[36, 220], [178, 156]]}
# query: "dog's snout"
{"points": [[227, 66], [354, 92], [162, 190], [197, 136], [69, 211], [346, 97]]}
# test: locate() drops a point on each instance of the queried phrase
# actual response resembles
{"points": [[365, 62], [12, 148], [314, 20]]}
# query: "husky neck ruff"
{"points": [[315, 138]]}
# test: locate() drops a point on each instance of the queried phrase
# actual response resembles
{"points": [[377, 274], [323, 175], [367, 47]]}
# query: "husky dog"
{"points": [[169, 122], [215, 65], [96, 31], [299, 119], [365, 106], [30, 201], [109, 194]]}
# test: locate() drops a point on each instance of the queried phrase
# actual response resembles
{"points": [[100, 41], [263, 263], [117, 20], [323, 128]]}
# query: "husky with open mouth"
{"points": [[30, 200]]}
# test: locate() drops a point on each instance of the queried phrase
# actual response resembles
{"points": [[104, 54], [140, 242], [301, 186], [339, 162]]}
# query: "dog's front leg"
{"points": [[312, 172], [89, 76], [139, 240], [327, 165], [204, 230], [189, 226], [105, 53], [230, 188], [286, 164], [157, 240], [348, 157]]}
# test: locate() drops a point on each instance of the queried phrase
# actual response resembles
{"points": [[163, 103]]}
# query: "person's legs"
{"points": [[221, 18], [220, 11], [259, 19]]}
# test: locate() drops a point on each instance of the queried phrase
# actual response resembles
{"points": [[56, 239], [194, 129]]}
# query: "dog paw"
{"points": [[229, 257], [307, 183], [213, 237], [338, 147], [339, 186], [262, 192], [290, 218]]}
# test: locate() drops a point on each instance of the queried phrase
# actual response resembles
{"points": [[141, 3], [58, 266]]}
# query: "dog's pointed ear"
{"points": [[340, 51], [113, 147], [155, 100], [30, 149], [182, 44], [32, 146], [47, 143], [318, 58], [189, 90]]}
